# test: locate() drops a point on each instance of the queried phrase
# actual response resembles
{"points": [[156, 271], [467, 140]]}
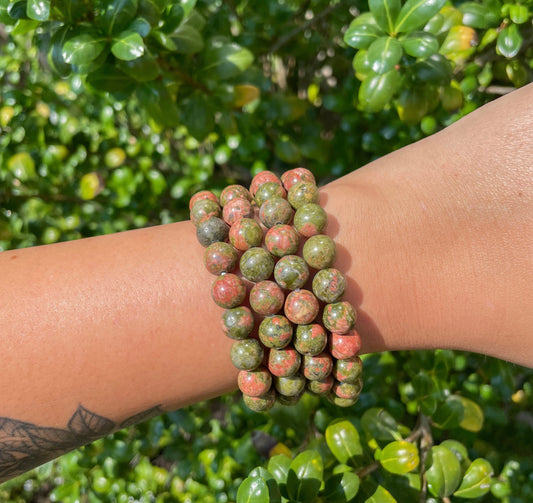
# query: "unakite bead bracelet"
{"points": [[297, 333]]}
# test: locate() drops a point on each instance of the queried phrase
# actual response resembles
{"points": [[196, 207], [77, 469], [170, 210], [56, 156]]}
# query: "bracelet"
{"points": [[251, 239]]}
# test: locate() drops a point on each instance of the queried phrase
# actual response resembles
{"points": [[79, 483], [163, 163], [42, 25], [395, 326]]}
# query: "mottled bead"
{"points": [[246, 354], [275, 331], [228, 291], [282, 240], [260, 403], [220, 257], [288, 400], [234, 192], [340, 402], [339, 317], [203, 194], [348, 390], [245, 234], [329, 285], [301, 307], [275, 211], [317, 368], [254, 382], [236, 209], [256, 264], [266, 298], [293, 176], [212, 231], [321, 387], [320, 251], [291, 272], [261, 178], [203, 210], [302, 193], [310, 219], [238, 323], [344, 346], [290, 386], [310, 339], [267, 191], [284, 362], [348, 370]]}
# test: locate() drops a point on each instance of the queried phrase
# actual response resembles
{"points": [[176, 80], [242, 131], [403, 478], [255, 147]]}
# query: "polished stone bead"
{"points": [[238, 323], [329, 285], [320, 251], [228, 291], [256, 264], [269, 190], [321, 387], [275, 331], [348, 370], [212, 231], [348, 390], [290, 386], [318, 367], [246, 354], [275, 211], [291, 272], [344, 346], [310, 339], [266, 298], [220, 257], [293, 176], [341, 402], [234, 192], [284, 362], [303, 193], [203, 210], [245, 234], [261, 178], [236, 209], [260, 403], [203, 194], [310, 219], [254, 382], [301, 307], [282, 240], [339, 317]]}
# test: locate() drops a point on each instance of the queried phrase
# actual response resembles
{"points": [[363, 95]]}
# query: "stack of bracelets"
{"points": [[290, 352]]}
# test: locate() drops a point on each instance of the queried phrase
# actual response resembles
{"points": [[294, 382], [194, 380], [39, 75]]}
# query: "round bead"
{"points": [[282, 240], [320, 251], [317, 368], [310, 339], [310, 219], [275, 211], [284, 362], [228, 291], [254, 382], [236, 209], [246, 354], [260, 403], [220, 257], [344, 346], [301, 307], [339, 317], [256, 264], [261, 178], [234, 192], [288, 400], [302, 193], [238, 323], [203, 194], [245, 234], [293, 176], [348, 390], [291, 272], [349, 370], [267, 191], [321, 387], [266, 298], [203, 210], [329, 285], [290, 386], [341, 402], [211, 231], [275, 331]]}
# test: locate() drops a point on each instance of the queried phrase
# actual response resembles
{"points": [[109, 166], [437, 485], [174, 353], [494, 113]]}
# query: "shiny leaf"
{"points": [[361, 36], [341, 487], [380, 425], [90, 186], [472, 415], [253, 490], [224, 60], [119, 14], [399, 457], [273, 488], [38, 9], [143, 69], [385, 13], [384, 54], [420, 44], [305, 476], [127, 46], [415, 13], [83, 49], [343, 440], [509, 41], [479, 15], [443, 473], [22, 166], [159, 104], [476, 481], [380, 495], [435, 69], [376, 91], [110, 79]]}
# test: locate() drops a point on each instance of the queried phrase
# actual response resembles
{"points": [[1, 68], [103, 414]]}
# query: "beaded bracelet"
{"points": [[290, 352]]}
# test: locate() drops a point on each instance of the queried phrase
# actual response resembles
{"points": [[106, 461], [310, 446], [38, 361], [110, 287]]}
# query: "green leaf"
{"points": [[385, 13], [90, 185], [253, 490], [420, 44], [22, 166], [278, 466], [38, 9], [143, 69], [376, 91], [360, 36], [415, 13], [273, 488], [518, 13], [361, 64], [458, 449], [127, 46], [305, 476], [188, 39], [224, 60], [479, 15], [476, 481], [118, 15], [381, 495], [83, 49], [159, 104], [384, 54], [24, 26], [343, 440], [341, 487], [55, 55], [380, 425], [108, 78], [141, 26], [449, 414], [472, 415], [509, 41], [197, 115], [435, 69], [399, 457], [444, 471], [17, 10], [188, 6]]}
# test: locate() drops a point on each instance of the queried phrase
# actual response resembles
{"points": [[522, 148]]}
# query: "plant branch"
{"points": [[367, 470], [426, 441]]}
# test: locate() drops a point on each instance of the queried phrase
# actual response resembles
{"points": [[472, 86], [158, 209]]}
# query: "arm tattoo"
{"points": [[24, 446]]}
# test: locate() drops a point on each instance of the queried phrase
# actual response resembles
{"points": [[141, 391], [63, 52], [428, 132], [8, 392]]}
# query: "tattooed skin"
{"points": [[24, 446]]}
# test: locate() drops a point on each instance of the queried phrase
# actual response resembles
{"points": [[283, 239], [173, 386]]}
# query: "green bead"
{"points": [[310, 219], [290, 386], [211, 231], [246, 354], [234, 192], [341, 402], [348, 370], [339, 317], [203, 210], [282, 240], [329, 285], [303, 193], [269, 190], [256, 264], [348, 390], [275, 211], [310, 339], [245, 234], [320, 251], [238, 323], [291, 272], [284, 362], [220, 257], [260, 403], [318, 367], [275, 331]]}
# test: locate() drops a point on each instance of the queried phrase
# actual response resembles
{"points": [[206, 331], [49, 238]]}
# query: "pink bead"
{"points": [[301, 307], [237, 209], [344, 346], [266, 298], [203, 194], [228, 291], [289, 178], [263, 177]]}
